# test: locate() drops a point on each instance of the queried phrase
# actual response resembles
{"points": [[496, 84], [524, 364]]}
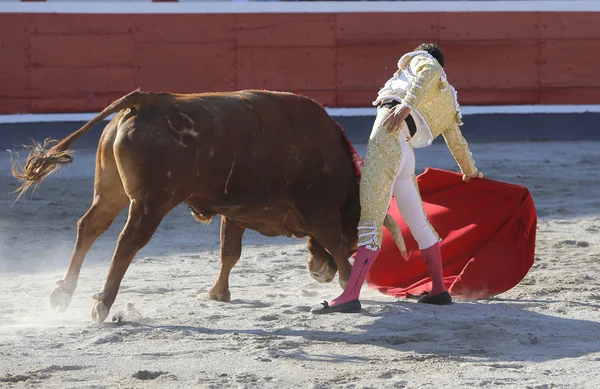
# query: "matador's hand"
{"points": [[467, 177], [395, 117]]}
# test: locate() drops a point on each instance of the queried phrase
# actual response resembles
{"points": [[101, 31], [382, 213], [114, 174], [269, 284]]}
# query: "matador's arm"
{"points": [[460, 150]]}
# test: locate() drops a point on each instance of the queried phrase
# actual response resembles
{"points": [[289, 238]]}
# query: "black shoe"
{"points": [[438, 299], [347, 307]]}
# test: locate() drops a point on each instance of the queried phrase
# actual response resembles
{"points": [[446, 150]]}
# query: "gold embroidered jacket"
{"points": [[434, 100]]}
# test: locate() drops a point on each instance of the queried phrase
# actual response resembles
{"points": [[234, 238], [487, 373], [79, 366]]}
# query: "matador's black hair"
{"points": [[434, 50]]}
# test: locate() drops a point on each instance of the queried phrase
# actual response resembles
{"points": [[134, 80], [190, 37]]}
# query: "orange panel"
{"points": [[75, 82], [82, 24], [571, 25], [184, 28], [570, 63], [82, 50], [570, 96], [489, 25], [308, 68], [286, 30], [186, 67], [396, 27], [356, 98], [369, 65], [495, 96], [12, 105], [492, 64]]}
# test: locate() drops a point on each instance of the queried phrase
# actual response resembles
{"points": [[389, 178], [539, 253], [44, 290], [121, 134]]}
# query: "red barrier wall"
{"points": [[79, 63]]}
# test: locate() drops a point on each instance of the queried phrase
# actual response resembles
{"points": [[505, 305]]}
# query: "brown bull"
{"points": [[272, 162]]}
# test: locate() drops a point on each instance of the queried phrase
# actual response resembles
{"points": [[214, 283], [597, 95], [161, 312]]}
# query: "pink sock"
{"points": [[433, 259], [362, 263]]}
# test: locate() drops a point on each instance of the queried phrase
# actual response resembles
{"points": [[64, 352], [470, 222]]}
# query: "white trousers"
{"points": [[390, 170], [408, 198]]}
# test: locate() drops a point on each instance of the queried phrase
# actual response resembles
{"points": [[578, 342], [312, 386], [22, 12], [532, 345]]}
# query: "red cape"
{"points": [[488, 233]]}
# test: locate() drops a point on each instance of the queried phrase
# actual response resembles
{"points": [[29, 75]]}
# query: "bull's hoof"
{"points": [[61, 298], [220, 296], [323, 275], [99, 312]]}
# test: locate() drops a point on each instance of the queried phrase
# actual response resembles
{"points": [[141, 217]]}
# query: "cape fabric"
{"points": [[488, 231]]}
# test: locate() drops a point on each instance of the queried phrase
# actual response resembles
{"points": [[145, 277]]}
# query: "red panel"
{"points": [[492, 64], [489, 25], [363, 98], [286, 68], [14, 28], [60, 105], [82, 50], [571, 25], [396, 27], [570, 96], [256, 30], [356, 98], [75, 82], [12, 105], [325, 98], [570, 63], [494, 96], [14, 69], [369, 65], [186, 67], [92, 103], [14, 59], [82, 23], [184, 28], [83, 62]]}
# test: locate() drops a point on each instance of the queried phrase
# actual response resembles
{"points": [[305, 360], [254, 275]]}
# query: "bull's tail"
{"points": [[394, 230], [42, 161]]}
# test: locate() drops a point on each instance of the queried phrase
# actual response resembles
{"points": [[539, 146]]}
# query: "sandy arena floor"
{"points": [[544, 333]]}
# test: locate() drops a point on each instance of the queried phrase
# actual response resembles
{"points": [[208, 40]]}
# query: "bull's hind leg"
{"points": [[231, 250], [95, 222], [143, 220], [109, 200]]}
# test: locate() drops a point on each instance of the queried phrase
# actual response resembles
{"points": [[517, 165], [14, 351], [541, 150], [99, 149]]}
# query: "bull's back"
{"points": [[276, 139], [294, 139], [246, 150]]}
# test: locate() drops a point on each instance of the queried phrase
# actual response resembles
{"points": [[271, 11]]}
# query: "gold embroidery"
{"points": [[460, 150], [434, 99], [382, 162]]}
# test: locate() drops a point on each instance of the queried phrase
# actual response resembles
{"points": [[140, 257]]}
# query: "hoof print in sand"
{"points": [[130, 314], [148, 375], [572, 243]]}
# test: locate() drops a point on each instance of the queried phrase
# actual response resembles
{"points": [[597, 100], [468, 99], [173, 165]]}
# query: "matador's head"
{"points": [[432, 49]]}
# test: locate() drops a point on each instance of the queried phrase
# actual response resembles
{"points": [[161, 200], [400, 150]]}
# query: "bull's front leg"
{"points": [[231, 250]]}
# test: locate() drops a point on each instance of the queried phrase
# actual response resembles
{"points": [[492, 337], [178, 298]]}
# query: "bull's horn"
{"points": [[393, 228]]}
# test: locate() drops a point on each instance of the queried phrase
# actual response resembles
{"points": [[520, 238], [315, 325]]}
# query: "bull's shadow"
{"points": [[505, 331]]}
